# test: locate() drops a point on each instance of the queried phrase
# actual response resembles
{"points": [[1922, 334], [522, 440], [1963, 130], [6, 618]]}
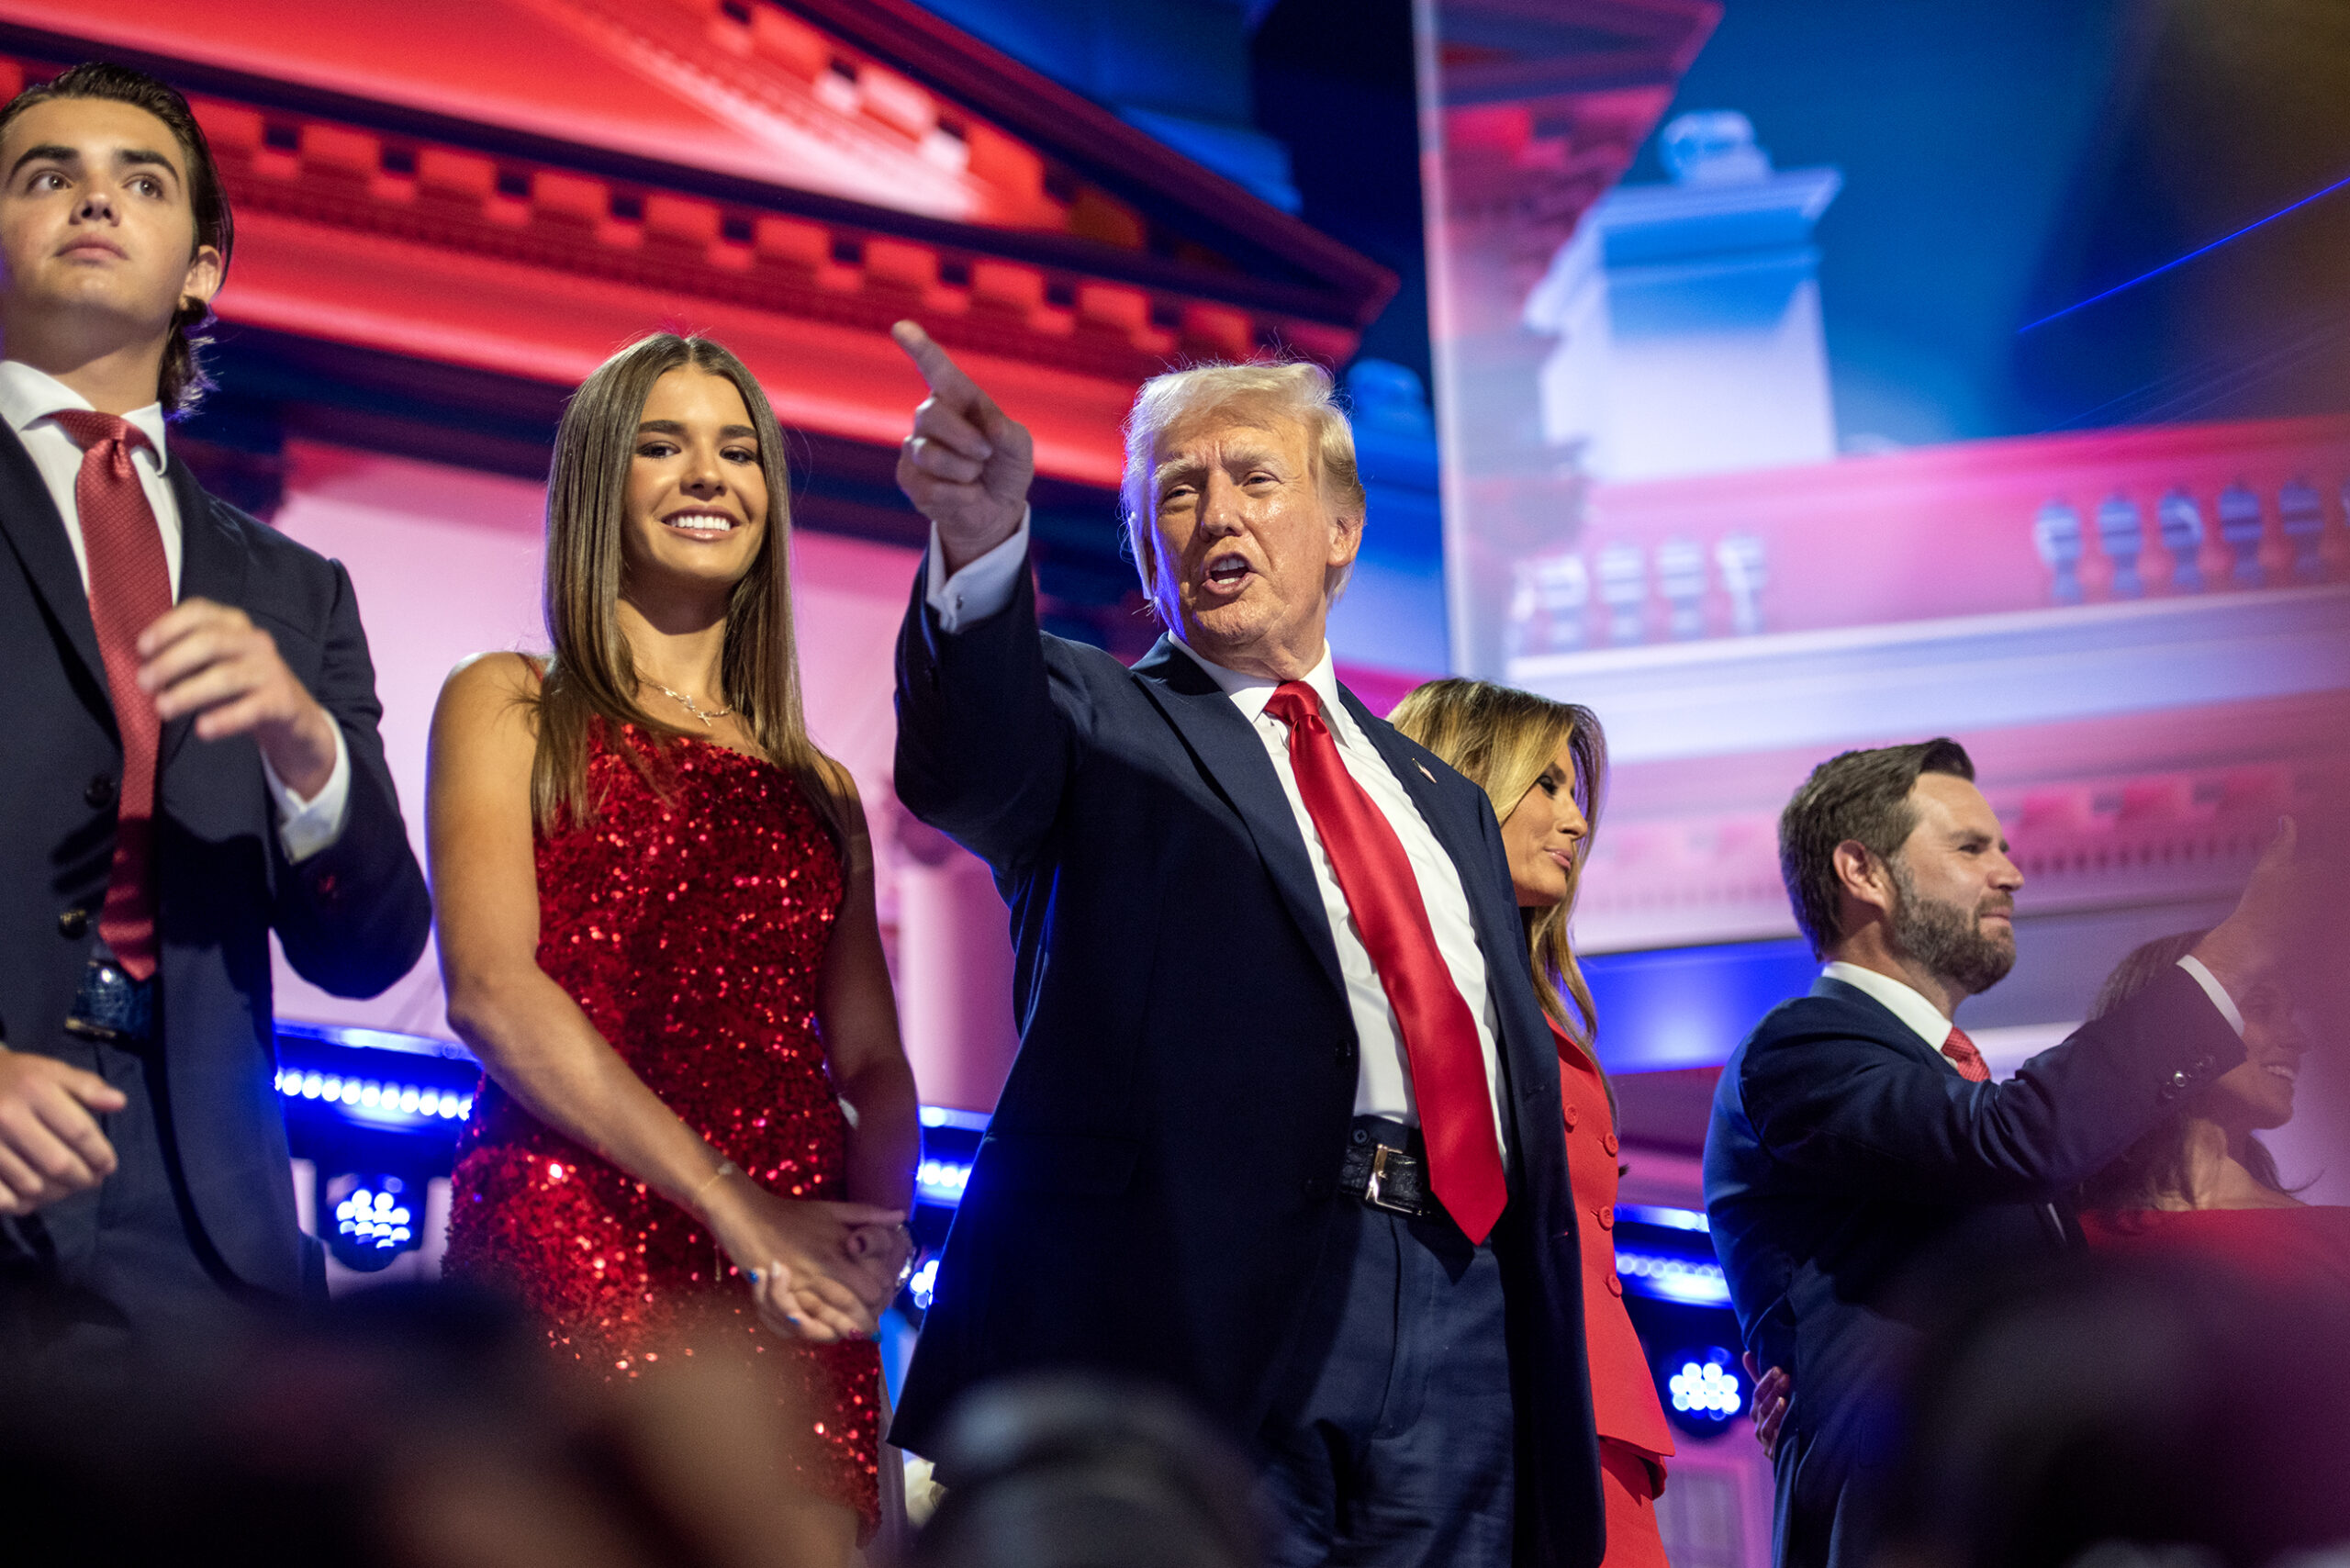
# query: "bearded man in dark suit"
{"points": [[192, 763], [1863, 1175]]}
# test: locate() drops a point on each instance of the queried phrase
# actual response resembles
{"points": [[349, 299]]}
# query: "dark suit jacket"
{"points": [[1156, 1185], [353, 918], [1857, 1187]]}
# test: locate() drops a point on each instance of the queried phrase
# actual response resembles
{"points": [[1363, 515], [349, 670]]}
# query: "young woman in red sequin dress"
{"points": [[655, 904], [1544, 767]]}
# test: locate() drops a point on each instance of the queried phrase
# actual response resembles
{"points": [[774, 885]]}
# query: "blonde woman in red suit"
{"points": [[1544, 765]]}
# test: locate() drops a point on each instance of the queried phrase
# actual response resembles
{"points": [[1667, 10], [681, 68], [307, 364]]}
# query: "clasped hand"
{"points": [[821, 1272]]}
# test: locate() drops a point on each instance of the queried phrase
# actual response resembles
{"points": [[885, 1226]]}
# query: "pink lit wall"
{"points": [[446, 562]]}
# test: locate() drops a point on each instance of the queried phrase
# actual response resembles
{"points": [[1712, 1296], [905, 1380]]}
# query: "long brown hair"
{"points": [[592, 675], [2154, 1168], [1500, 740]]}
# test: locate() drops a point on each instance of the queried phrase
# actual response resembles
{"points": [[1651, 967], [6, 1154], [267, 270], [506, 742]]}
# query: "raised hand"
{"points": [[210, 660], [968, 464], [2276, 922]]}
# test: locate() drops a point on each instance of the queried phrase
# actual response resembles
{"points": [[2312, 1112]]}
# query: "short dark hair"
{"points": [[1859, 795], [184, 382]]}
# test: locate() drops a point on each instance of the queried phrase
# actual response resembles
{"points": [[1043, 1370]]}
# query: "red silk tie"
{"points": [[1960, 1050], [131, 586], [1440, 1034]]}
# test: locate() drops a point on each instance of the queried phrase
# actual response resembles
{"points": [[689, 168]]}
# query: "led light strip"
{"points": [[1673, 1278], [369, 1094], [942, 1180]]}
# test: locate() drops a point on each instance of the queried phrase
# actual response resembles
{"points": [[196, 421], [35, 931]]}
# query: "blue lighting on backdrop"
{"points": [[1684, 1007], [2181, 261]]}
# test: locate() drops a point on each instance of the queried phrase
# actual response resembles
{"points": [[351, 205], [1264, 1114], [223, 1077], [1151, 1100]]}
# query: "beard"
{"points": [[1950, 942]]}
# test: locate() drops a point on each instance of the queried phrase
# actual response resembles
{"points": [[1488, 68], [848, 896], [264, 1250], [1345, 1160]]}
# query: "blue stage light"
{"points": [[373, 1221], [1705, 1386], [1659, 1214]]}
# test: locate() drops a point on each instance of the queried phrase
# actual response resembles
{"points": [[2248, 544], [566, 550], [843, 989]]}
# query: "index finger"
{"points": [[944, 376]]}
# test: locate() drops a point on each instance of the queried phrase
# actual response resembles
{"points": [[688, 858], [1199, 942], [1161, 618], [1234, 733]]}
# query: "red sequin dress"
{"points": [[690, 930]]}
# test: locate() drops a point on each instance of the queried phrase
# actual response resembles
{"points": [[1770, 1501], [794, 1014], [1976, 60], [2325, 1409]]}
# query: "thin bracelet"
{"points": [[725, 1167]]}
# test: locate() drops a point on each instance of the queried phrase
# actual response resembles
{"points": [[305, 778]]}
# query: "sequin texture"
{"points": [[688, 922]]}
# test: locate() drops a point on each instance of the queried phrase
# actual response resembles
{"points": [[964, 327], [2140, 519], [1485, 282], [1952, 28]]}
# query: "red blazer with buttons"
{"points": [[1623, 1395]]}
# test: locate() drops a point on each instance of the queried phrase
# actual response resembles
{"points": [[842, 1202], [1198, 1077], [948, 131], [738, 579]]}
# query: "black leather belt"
{"points": [[1386, 1167], [113, 1007]]}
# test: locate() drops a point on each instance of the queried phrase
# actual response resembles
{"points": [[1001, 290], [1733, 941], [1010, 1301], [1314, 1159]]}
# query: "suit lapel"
{"points": [[1233, 755], [1894, 1033], [212, 565], [34, 531]]}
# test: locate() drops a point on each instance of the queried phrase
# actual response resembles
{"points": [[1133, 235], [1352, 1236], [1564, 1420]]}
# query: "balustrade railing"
{"points": [[1971, 529]]}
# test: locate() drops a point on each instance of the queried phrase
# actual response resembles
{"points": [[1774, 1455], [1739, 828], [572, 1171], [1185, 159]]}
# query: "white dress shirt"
{"points": [[1902, 1000], [28, 400], [1383, 1078], [1906, 1002]]}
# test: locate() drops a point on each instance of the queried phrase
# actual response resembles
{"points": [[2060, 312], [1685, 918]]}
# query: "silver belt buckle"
{"points": [[1374, 1191]]}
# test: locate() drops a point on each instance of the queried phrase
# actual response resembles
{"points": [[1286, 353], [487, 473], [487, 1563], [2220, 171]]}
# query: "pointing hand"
{"points": [[968, 465]]}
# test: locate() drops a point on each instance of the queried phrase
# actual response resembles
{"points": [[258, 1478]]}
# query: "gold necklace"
{"points": [[709, 716]]}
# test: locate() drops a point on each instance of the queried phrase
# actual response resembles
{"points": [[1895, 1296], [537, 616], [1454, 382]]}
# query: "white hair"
{"points": [[1299, 391]]}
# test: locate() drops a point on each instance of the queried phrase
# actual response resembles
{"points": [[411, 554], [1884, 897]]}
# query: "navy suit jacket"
{"points": [[353, 918], [1156, 1187], [1856, 1186]]}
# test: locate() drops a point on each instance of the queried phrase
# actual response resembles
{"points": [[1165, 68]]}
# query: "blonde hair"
{"points": [[592, 675], [1503, 740], [1297, 391]]}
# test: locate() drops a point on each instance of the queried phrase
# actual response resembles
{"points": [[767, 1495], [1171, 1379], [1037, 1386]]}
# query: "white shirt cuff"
{"points": [[305, 827], [2216, 992], [983, 588]]}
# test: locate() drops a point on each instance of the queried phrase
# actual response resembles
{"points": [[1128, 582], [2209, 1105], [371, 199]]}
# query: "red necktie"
{"points": [[1439, 1035], [1960, 1049], [131, 586]]}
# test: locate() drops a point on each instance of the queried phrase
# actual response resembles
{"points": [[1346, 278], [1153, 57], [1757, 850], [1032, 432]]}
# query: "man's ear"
{"points": [[1346, 539], [204, 275], [1864, 876]]}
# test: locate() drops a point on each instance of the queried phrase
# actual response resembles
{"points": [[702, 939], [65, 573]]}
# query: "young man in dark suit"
{"points": [[192, 762], [1861, 1171], [1285, 1131]]}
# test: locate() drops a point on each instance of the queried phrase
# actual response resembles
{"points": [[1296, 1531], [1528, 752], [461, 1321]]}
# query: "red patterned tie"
{"points": [[1960, 1049], [131, 586], [1440, 1034]]}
